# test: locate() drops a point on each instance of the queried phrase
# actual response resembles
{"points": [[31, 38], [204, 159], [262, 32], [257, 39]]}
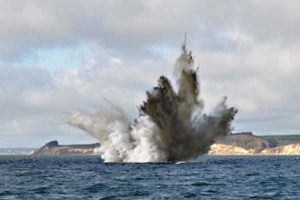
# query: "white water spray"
{"points": [[171, 126]]}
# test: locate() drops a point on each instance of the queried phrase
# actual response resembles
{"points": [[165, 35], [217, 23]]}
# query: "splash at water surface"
{"points": [[171, 125]]}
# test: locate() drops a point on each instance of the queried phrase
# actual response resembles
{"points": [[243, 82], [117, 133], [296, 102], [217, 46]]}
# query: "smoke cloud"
{"points": [[171, 125]]}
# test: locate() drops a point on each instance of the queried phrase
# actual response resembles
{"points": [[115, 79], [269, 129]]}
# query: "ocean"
{"points": [[209, 177]]}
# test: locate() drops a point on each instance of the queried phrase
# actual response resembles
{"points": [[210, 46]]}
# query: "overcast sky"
{"points": [[57, 56]]}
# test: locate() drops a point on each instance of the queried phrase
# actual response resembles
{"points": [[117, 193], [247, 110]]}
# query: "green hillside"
{"points": [[283, 139]]}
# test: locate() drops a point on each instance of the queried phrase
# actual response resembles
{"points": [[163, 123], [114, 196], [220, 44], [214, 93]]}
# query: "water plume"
{"points": [[171, 125]]}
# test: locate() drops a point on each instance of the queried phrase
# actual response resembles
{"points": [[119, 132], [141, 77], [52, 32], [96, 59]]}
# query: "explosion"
{"points": [[171, 125]]}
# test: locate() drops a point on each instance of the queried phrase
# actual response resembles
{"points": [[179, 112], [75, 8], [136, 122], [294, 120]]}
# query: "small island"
{"points": [[53, 148]]}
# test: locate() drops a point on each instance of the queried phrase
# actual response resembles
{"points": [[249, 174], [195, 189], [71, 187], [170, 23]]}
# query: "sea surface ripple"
{"points": [[210, 177]]}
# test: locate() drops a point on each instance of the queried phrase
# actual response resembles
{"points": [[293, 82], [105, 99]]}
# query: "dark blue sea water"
{"points": [[210, 177]]}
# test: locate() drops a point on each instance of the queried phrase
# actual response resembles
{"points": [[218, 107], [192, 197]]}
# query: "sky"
{"points": [[60, 56]]}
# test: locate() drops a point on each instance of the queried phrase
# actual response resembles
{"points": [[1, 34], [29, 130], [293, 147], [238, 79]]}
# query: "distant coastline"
{"points": [[245, 143], [249, 144], [53, 148], [222, 149], [15, 151]]}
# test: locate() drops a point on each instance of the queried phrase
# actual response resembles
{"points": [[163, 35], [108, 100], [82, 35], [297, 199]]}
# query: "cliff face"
{"points": [[249, 144], [53, 148], [290, 149], [223, 149], [247, 141]]}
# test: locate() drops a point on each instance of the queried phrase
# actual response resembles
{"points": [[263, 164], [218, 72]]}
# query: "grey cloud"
{"points": [[14, 82], [261, 82], [136, 26], [247, 50], [34, 102]]}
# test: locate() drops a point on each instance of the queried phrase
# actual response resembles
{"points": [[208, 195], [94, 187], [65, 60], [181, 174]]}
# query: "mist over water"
{"points": [[171, 125]]}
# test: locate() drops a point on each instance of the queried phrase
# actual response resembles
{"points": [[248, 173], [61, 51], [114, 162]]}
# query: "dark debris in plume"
{"points": [[183, 136]]}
